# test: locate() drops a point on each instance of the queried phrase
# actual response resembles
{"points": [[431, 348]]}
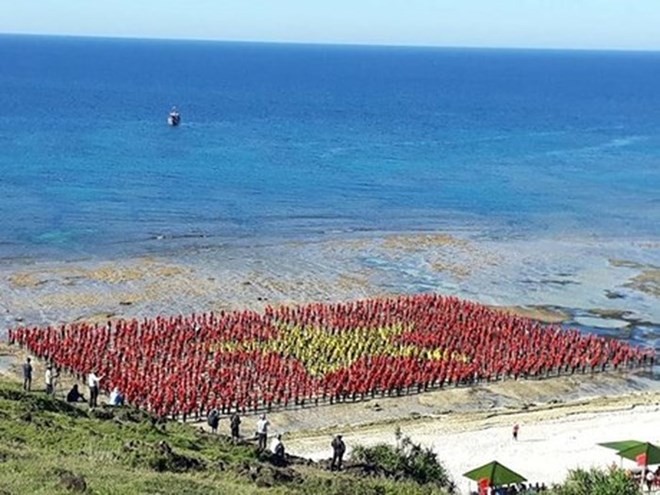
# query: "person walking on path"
{"points": [[338, 449], [27, 375], [93, 384], [262, 432], [235, 423], [515, 431]]}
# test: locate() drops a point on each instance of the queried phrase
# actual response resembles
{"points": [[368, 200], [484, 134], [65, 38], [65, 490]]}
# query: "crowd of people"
{"points": [[649, 478], [186, 366], [515, 489], [51, 381]]}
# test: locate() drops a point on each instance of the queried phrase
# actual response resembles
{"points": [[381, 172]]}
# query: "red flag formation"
{"points": [[187, 365]]}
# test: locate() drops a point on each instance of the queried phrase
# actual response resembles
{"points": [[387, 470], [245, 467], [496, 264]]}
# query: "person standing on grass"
{"points": [[213, 420], [93, 383], [338, 449], [235, 424], [27, 375], [262, 432], [50, 378]]}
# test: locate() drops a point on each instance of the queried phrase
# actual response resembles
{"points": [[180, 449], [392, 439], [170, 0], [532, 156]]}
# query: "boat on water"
{"points": [[174, 118]]}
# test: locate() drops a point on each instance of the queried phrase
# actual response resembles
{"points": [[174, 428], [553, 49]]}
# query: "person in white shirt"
{"points": [[50, 379], [262, 432], [93, 384], [277, 448], [116, 399]]}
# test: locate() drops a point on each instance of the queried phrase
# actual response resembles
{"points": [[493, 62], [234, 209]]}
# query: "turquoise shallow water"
{"points": [[282, 141]]}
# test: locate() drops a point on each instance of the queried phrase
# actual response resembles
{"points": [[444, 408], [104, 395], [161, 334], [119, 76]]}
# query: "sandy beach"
{"points": [[554, 436], [547, 447]]}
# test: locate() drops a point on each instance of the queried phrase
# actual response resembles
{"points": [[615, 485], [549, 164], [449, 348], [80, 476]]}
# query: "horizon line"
{"points": [[334, 43]]}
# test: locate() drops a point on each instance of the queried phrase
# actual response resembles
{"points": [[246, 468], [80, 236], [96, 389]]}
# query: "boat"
{"points": [[174, 118]]}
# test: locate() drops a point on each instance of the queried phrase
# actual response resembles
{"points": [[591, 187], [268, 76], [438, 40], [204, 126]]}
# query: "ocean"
{"points": [[549, 158]]}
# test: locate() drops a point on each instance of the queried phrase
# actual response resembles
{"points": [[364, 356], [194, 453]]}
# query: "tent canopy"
{"points": [[496, 473], [621, 445], [650, 451]]}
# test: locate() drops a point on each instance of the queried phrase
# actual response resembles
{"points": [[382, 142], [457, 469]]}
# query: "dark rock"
{"points": [[299, 461], [264, 479], [129, 414], [287, 475], [72, 482], [165, 447], [268, 476], [242, 469], [159, 457], [610, 294], [102, 413], [11, 394]]}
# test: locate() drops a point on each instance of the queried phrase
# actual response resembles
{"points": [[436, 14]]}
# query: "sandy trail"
{"points": [[551, 441]]}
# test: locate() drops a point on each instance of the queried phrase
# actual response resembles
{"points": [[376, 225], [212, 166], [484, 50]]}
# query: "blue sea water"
{"points": [[295, 141]]}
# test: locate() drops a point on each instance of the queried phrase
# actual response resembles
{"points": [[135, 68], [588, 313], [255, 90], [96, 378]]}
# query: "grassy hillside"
{"points": [[51, 447]]}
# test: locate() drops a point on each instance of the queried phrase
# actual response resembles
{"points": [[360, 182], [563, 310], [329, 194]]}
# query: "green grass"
{"points": [[45, 441]]}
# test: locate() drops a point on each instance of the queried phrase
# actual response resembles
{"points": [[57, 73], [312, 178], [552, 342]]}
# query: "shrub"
{"points": [[406, 460], [613, 481]]}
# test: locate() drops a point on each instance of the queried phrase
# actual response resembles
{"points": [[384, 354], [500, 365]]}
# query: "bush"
{"points": [[613, 481], [407, 460]]}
